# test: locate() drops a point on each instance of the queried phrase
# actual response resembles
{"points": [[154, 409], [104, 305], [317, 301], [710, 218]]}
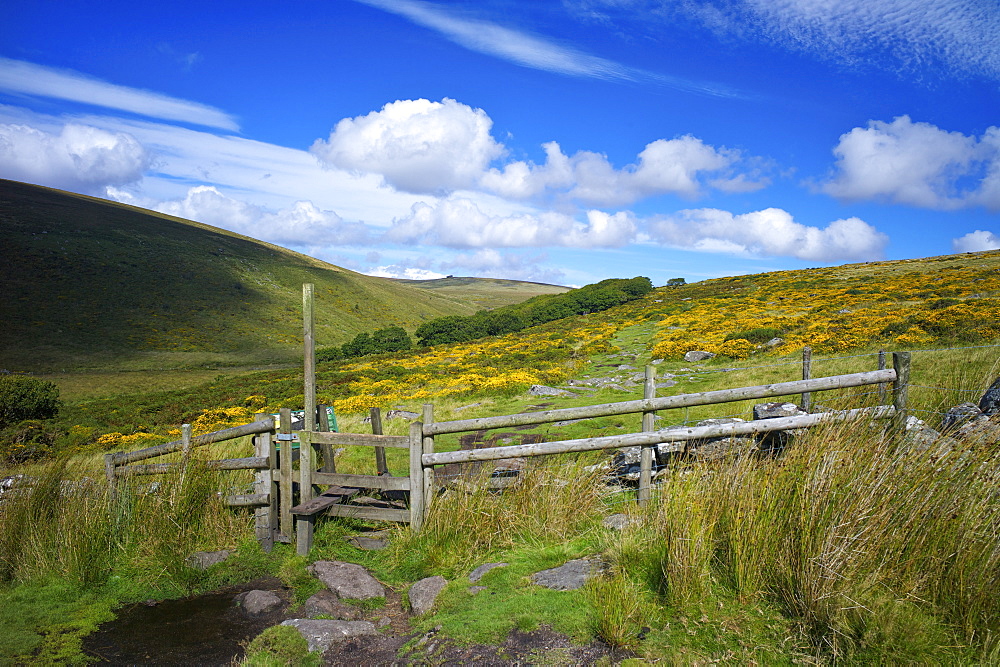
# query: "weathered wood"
{"points": [[285, 472], [883, 388], [264, 524], [646, 453], [370, 513], [806, 374], [359, 439], [417, 476], [248, 463], [385, 483], [304, 525], [309, 356], [900, 395], [185, 450], [664, 403], [109, 472], [248, 500], [672, 435], [332, 496], [428, 471], [273, 508], [380, 465], [123, 458]]}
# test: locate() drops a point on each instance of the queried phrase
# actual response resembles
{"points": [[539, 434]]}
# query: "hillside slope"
{"points": [[93, 283], [485, 292]]}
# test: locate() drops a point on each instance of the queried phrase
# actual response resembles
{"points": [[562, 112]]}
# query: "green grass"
{"points": [[92, 284]]}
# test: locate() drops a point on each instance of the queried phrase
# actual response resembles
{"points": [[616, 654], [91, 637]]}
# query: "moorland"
{"points": [[853, 547]]}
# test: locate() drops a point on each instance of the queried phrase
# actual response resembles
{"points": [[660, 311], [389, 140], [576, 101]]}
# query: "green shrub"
{"points": [[758, 335], [23, 397], [29, 440]]}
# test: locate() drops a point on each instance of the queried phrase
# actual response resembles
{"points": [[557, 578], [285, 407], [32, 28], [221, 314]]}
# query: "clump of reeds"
{"points": [[872, 545]]}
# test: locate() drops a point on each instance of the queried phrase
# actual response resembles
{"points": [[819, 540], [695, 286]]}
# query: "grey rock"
{"points": [[625, 367], [922, 438], [326, 603], [347, 580], [981, 431], [989, 404], [480, 571], [542, 390], [619, 521], [569, 576], [259, 603], [666, 384], [424, 593], [368, 543], [775, 410], [959, 415], [774, 342], [716, 449], [202, 560], [697, 355], [321, 634]]}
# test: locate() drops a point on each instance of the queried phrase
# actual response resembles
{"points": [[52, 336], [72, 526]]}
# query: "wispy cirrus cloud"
{"points": [[25, 78], [907, 36], [528, 50]]}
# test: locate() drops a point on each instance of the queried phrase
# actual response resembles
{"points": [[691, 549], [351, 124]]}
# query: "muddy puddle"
{"points": [[202, 630]]}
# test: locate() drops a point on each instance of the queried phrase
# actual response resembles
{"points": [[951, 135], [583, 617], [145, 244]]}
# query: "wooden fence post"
{"points": [[185, 450], [900, 398], [882, 388], [285, 472], [806, 374], [309, 357], [109, 473], [304, 524], [427, 447], [416, 476], [265, 518], [380, 464], [646, 451]]}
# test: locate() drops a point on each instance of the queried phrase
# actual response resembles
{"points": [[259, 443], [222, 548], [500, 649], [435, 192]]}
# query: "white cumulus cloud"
{"points": [[677, 166], [79, 157], [771, 232], [416, 145], [976, 241], [917, 164], [301, 224], [460, 223]]}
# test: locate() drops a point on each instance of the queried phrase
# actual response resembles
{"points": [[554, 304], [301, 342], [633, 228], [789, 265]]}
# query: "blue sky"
{"points": [[559, 141]]}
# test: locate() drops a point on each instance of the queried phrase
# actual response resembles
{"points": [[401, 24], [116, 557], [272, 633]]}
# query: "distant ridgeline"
{"points": [[507, 319]]}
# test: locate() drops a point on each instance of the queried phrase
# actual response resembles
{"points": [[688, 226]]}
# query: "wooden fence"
{"points": [[283, 511]]}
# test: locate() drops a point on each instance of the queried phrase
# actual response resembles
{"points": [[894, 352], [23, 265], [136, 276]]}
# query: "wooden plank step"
{"points": [[332, 496]]}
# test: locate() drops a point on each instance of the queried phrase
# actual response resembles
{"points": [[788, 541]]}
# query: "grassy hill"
{"points": [[90, 283], [485, 292]]}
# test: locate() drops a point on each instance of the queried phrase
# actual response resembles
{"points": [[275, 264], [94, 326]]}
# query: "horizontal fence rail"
{"points": [[248, 463], [665, 403], [669, 435], [253, 428]]}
